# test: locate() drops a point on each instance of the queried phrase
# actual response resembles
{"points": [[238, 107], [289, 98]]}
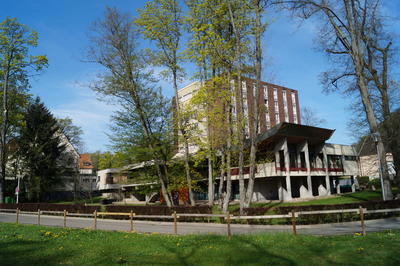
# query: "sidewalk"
{"points": [[203, 228]]}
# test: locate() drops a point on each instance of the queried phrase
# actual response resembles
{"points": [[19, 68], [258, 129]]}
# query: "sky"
{"points": [[290, 59]]}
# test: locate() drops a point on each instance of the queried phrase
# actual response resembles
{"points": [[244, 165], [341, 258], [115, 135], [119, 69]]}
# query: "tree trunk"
{"points": [[239, 110], [221, 181], [3, 149], [254, 119], [188, 177], [228, 162], [185, 140]]}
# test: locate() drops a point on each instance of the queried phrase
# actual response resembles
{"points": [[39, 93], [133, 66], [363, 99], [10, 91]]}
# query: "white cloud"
{"points": [[88, 113]]}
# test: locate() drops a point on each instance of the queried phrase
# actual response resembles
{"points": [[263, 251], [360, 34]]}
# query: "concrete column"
{"points": [[328, 184], [287, 166], [307, 156]]}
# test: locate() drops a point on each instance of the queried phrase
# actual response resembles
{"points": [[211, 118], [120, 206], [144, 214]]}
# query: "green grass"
{"points": [[361, 196], [94, 201], [34, 245]]}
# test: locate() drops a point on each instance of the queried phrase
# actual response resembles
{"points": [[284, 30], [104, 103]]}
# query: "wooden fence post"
{"points": [[132, 214], [175, 223], [65, 218], [362, 221], [294, 222], [95, 220], [228, 222], [38, 221], [17, 221]]}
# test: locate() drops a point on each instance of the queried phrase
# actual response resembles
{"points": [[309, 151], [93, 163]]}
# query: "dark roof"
{"points": [[295, 133]]}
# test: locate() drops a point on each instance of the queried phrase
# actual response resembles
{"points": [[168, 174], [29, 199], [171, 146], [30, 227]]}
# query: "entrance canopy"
{"points": [[294, 133]]}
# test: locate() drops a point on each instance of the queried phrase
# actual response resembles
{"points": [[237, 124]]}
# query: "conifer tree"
{"points": [[41, 151]]}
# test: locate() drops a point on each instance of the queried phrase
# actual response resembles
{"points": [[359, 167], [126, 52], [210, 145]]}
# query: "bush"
{"points": [[328, 218], [363, 181], [34, 207]]}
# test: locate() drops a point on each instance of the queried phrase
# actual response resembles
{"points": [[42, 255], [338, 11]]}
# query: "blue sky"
{"points": [[62, 25]]}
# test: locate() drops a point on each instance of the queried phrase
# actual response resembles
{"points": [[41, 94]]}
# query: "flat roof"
{"points": [[295, 133]]}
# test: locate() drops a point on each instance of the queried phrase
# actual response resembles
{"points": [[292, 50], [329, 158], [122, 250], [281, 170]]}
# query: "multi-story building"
{"points": [[276, 103], [298, 163], [294, 161]]}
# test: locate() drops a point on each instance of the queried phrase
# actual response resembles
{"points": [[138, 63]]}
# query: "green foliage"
{"points": [[161, 22], [72, 132], [43, 154], [16, 64]]}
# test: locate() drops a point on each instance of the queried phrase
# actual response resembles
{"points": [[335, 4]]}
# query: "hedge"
{"points": [[326, 218], [33, 207]]}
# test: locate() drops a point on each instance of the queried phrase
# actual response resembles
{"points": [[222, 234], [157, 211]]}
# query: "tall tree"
{"points": [[72, 132], [351, 40], [211, 48], [239, 20], [42, 152], [257, 6], [161, 22], [16, 64], [129, 83], [310, 118]]}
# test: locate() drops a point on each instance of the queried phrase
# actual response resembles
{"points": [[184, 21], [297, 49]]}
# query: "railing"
{"points": [[227, 217]]}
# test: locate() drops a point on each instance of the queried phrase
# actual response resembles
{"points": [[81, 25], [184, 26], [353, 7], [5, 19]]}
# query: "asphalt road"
{"points": [[202, 228]]}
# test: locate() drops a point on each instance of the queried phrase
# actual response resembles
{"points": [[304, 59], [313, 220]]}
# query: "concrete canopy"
{"points": [[294, 133]]}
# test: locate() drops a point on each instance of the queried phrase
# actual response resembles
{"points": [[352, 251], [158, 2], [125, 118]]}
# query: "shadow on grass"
{"points": [[213, 249], [24, 252], [370, 196]]}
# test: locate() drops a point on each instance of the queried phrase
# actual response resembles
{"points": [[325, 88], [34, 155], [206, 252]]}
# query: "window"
{"points": [[244, 91], [265, 92], [294, 104], [350, 158], [87, 164], [285, 106], [277, 118]]}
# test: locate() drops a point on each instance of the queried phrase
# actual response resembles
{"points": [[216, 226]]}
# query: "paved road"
{"points": [[203, 228]]}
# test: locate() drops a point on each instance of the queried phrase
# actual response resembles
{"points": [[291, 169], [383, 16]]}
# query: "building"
{"points": [[294, 161], [281, 103], [87, 176], [369, 163], [298, 163]]}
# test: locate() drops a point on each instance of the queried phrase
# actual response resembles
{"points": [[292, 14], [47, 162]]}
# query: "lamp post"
{"points": [[377, 137]]}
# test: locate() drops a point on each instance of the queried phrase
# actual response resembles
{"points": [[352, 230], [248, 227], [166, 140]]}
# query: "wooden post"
{"points": [[65, 218], [38, 219], [362, 221], [17, 221], [175, 223], [132, 214], [294, 222], [95, 220], [228, 222]]}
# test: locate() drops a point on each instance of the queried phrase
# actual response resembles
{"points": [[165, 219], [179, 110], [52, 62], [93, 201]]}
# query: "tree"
{"points": [[353, 38], [72, 132], [16, 64], [42, 152], [128, 82], [258, 7], [310, 118], [161, 22]]}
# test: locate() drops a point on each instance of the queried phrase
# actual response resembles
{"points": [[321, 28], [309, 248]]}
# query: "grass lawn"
{"points": [[360, 196], [94, 201], [34, 245]]}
